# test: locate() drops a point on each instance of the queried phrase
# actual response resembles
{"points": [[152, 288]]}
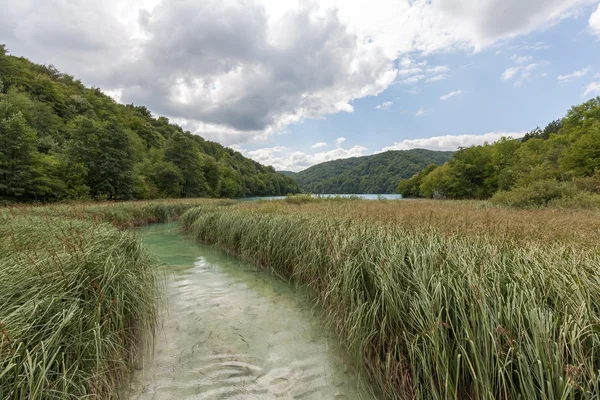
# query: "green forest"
{"points": [[60, 140], [558, 164], [375, 174]]}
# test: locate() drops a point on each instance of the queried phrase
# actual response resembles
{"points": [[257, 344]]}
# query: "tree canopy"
{"points": [[375, 174], [60, 140], [564, 157]]}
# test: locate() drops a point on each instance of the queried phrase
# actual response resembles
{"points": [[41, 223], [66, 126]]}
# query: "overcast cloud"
{"points": [[241, 71]]}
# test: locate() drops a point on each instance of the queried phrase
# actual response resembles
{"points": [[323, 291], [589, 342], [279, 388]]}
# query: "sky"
{"points": [[295, 83]]}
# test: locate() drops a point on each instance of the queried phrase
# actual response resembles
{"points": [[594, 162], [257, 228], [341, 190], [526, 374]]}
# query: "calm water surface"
{"points": [[362, 196], [232, 331]]}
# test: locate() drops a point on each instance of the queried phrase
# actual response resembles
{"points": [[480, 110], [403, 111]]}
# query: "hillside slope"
{"points": [[559, 165], [378, 173], [60, 140]]}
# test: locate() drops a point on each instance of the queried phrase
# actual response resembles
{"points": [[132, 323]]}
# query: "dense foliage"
{"points": [[60, 140], [379, 173], [77, 296], [561, 161]]}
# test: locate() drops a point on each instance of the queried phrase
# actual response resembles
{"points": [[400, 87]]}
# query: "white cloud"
{"points": [[451, 94], [339, 141], [412, 79], [509, 73], [283, 159], [575, 75], [243, 70], [420, 112], [409, 71], [592, 89], [521, 73], [594, 21], [451, 142], [319, 145], [436, 78], [116, 94], [537, 46], [521, 59], [384, 106], [438, 70], [412, 72]]}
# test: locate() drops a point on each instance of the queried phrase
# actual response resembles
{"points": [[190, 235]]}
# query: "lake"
{"points": [[362, 196]]}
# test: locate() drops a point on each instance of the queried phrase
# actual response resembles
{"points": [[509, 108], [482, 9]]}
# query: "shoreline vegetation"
{"points": [[78, 296], [438, 299], [557, 166]]}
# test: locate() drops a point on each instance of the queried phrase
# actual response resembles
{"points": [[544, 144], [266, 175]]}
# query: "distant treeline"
{"points": [[60, 140], [558, 163], [378, 173]]}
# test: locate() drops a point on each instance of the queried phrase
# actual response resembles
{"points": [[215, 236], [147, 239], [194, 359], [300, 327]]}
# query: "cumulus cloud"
{"points": [[575, 75], [451, 142], [384, 106], [242, 70], [592, 89], [451, 94], [339, 141], [420, 112], [594, 21], [319, 145], [283, 159]]}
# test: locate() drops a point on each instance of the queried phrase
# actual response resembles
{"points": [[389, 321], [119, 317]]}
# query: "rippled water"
{"points": [[232, 331]]}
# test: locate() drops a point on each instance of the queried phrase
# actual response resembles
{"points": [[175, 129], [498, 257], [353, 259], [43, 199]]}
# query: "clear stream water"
{"points": [[232, 331]]}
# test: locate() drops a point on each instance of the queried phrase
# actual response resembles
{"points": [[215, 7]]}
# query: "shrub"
{"points": [[583, 200], [537, 194], [299, 199]]}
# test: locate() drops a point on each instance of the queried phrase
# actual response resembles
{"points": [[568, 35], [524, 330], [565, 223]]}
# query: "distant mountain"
{"points": [[288, 173], [379, 173]]}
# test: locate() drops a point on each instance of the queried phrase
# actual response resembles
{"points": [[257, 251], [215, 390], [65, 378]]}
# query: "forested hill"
{"points": [[60, 140], [559, 164], [378, 173]]}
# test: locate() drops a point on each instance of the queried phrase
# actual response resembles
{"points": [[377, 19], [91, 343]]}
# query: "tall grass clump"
{"points": [[77, 296], [434, 311]]}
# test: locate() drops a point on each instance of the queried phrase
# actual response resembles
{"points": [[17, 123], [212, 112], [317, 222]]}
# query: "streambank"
{"points": [[231, 330], [480, 307]]}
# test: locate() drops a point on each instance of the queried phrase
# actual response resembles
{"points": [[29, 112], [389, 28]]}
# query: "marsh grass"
{"points": [[440, 300], [78, 297]]}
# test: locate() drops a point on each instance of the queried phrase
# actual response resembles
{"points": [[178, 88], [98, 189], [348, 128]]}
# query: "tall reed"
{"points": [[434, 312], [77, 297]]}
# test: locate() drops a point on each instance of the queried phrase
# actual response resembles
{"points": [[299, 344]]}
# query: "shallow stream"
{"points": [[232, 331]]}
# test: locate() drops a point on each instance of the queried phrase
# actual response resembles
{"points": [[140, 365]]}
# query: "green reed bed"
{"points": [[433, 314], [77, 297]]}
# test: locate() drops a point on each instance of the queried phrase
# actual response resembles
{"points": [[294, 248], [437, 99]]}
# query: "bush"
{"points": [[537, 194], [589, 183], [299, 199], [583, 200]]}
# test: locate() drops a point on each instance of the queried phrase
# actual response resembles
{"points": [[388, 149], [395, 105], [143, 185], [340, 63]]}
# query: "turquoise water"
{"points": [[362, 196], [233, 331]]}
